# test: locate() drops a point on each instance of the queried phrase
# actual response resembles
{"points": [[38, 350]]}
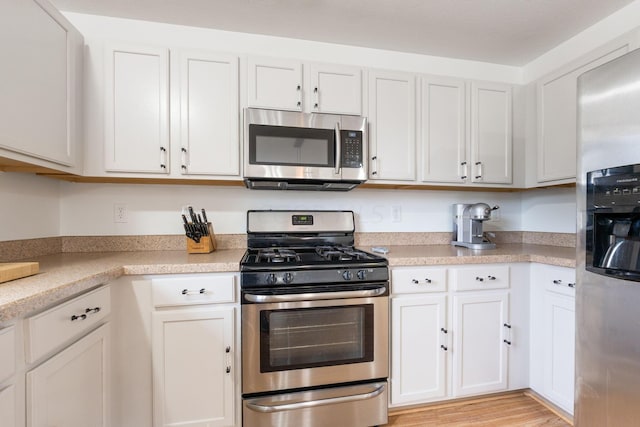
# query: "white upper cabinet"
{"points": [[443, 139], [209, 115], [40, 85], [491, 133], [274, 83], [557, 112], [278, 84], [335, 89], [136, 137], [392, 126]]}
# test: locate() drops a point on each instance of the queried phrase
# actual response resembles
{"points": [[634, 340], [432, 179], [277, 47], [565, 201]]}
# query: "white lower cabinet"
{"points": [[8, 406], [193, 381], [71, 389], [193, 350], [553, 334], [419, 348], [480, 342], [451, 333]]}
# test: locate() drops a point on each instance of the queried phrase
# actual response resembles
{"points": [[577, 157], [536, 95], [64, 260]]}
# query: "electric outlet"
{"points": [[396, 214], [120, 212]]}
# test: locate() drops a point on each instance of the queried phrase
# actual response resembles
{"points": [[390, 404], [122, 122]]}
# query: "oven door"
{"points": [[313, 342]]}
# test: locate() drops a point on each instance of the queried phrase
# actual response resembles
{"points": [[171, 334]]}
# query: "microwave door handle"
{"points": [[338, 150]]}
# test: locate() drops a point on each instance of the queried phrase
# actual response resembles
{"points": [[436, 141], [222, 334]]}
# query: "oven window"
{"points": [[313, 337], [290, 146]]}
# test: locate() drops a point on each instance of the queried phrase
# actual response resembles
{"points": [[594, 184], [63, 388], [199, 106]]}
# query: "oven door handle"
{"points": [[315, 296], [372, 391]]}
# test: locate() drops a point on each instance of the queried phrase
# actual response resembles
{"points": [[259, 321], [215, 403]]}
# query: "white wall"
{"points": [[88, 209], [549, 210], [29, 206]]}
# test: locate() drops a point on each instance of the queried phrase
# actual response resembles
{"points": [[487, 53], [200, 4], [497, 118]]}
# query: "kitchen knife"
{"points": [[204, 216], [192, 214]]}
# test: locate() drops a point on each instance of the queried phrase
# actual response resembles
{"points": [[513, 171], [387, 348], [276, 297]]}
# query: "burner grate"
{"points": [[277, 256]]}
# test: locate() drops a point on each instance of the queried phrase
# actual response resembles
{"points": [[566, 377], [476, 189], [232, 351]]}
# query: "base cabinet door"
{"points": [[479, 349], [72, 388], [418, 348], [192, 367], [8, 406], [559, 360]]}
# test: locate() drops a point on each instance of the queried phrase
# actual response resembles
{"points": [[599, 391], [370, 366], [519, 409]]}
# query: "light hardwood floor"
{"points": [[517, 409]]}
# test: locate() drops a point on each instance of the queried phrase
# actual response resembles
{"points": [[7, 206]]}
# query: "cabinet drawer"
{"points": [[187, 290], [480, 277], [561, 280], [415, 280], [56, 326], [7, 352]]}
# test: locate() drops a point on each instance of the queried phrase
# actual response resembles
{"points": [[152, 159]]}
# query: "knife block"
{"points": [[206, 245]]}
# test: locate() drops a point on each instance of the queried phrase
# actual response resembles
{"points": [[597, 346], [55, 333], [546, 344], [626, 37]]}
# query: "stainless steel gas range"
{"points": [[315, 316]]}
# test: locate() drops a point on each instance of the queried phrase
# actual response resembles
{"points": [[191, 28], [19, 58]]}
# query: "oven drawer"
{"points": [[191, 290], [355, 406], [417, 280]]}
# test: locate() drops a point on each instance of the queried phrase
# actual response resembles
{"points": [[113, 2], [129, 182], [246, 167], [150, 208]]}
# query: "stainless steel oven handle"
{"points": [[377, 389], [315, 296]]}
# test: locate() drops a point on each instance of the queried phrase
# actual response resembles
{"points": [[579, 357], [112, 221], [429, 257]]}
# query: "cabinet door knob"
{"points": [[443, 330], [415, 281], [491, 277], [506, 325], [444, 347], [227, 349], [557, 281], [506, 342], [571, 285], [228, 370]]}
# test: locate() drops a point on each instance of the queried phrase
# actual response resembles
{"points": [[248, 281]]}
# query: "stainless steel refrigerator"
{"points": [[608, 252]]}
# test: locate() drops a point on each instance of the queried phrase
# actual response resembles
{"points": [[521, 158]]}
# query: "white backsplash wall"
{"points": [[549, 210], [29, 206], [88, 209]]}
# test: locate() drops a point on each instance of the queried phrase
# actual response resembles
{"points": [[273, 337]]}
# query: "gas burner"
{"points": [[277, 256], [333, 253]]}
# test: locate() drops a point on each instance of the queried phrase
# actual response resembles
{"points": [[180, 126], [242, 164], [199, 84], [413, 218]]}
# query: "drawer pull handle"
{"points": [[507, 342], [81, 317], [416, 281], [427, 280], [228, 370], [479, 279], [491, 277], [557, 282], [571, 285], [443, 330], [227, 350], [188, 292], [92, 310], [444, 347]]}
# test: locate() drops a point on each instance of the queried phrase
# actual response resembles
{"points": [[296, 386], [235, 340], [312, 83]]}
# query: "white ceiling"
{"points": [[509, 32]]}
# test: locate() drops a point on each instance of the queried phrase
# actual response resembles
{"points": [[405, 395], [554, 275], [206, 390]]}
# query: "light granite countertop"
{"points": [[66, 274]]}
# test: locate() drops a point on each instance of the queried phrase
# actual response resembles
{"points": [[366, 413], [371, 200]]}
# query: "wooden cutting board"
{"points": [[17, 270]]}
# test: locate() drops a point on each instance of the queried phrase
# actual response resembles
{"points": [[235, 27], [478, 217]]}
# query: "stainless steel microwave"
{"points": [[287, 150]]}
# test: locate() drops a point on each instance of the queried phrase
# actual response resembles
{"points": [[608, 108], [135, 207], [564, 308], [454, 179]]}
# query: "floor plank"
{"points": [[510, 410]]}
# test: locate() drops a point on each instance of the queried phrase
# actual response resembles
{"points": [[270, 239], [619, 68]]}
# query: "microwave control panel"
{"points": [[351, 148]]}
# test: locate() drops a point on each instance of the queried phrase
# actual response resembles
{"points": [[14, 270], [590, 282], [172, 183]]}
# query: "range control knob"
{"points": [[362, 274], [347, 275], [271, 279], [288, 278]]}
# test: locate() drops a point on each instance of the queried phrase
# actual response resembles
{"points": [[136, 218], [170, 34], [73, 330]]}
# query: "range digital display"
{"points": [[302, 219]]}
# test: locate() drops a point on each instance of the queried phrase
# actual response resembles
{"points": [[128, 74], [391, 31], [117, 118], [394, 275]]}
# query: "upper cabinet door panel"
{"points": [[136, 109], [335, 89], [209, 114], [37, 86], [443, 124], [491, 142], [392, 125], [557, 113], [274, 83]]}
